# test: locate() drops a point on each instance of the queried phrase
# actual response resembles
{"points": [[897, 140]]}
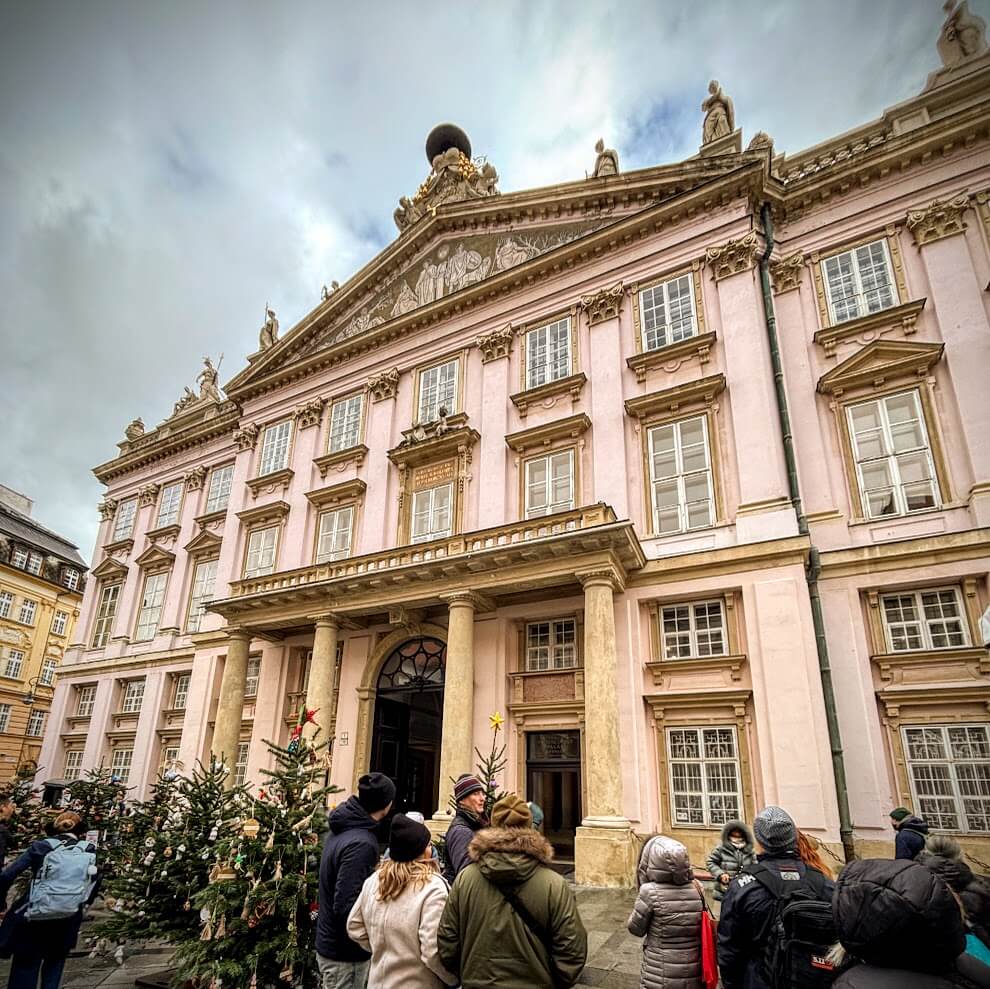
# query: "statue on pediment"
{"points": [[325, 292], [269, 332], [963, 34], [187, 398], [720, 117], [135, 429], [208, 381], [607, 162], [407, 213]]}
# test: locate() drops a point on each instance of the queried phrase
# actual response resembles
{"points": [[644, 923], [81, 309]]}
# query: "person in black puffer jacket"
{"points": [[900, 927], [943, 855], [911, 833]]}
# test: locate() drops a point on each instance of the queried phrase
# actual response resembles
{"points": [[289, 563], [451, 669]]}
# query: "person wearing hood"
{"points": [[943, 855], [728, 858], [350, 855], [911, 832], [469, 796], [510, 920], [668, 912], [900, 927]]}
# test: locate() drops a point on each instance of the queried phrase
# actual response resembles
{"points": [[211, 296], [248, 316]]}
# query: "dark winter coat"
{"points": [[910, 837], [725, 859], [4, 843], [668, 911], [745, 919], [482, 938], [35, 939], [462, 829], [972, 889], [350, 854], [904, 925]]}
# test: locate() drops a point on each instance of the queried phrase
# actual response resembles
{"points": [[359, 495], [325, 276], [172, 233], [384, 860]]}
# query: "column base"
{"points": [[604, 853]]}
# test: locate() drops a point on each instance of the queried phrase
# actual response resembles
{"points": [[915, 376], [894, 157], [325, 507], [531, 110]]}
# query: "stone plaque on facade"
{"points": [[433, 474], [554, 746]]}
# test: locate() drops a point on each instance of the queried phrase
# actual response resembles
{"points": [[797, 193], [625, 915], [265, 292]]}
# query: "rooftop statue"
{"points": [[269, 332], [188, 397], [607, 162], [325, 292], [135, 429], [720, 117], [208, 381], [963, 34]]}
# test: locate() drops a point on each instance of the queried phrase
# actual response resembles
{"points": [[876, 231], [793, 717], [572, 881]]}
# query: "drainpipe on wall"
{"points": [[813, 567]]}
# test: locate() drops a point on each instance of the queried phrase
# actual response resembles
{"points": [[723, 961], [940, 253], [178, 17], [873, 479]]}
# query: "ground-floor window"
{"points": [[240, 767], [551, 645], [949, 767], [73, 764], [704, 775], [120, 764]]}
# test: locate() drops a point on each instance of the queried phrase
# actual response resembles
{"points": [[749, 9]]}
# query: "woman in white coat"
{"points": [[398, 911]]}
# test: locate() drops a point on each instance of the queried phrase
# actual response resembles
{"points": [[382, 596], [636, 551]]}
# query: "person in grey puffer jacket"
{"points": [[668, 912], [727, 859]]}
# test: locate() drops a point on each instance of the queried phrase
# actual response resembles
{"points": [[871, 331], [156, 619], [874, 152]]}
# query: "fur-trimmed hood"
{"points": [[507, 856]]}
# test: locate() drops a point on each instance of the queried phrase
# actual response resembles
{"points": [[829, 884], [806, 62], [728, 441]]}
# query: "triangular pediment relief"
{"points": [[205, 542], [109, 569], [876, 363], [155, 556]]}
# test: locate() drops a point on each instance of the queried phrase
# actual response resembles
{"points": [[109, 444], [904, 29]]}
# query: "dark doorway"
{"points": [[408, 722], [553, 780]]}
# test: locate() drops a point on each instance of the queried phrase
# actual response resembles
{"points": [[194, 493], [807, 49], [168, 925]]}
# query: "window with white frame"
{"points": [[36, 724], [6, 603], [170, 756], [252, 676], [151, 606], [59, 622], [72, 767], [926, 619], [19, 558], [275, 447], [551, 645], [168, 506], [219, 494], [28, 611], [48, 667], [120, 764], [123, 524], [431, 513], [859, 282], [693, 630], [240, 765], [549, 484], [261, 552], [704, 775], [34, 562], [15, 663], [949, 768], [894, 465], [334, 536], [437, 390], [70, 577], [548, 353], [180, 693], [345, 423], [106, 611], [133, 697], [204, 581], [4, 717], [667, 312], [85, 699], [681, 476]]}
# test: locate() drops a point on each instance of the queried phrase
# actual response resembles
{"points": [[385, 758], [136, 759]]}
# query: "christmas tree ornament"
{"points": [[168, 851], [250, 828], [221, 931], [270, 844], [149, 842], [278, 871]]}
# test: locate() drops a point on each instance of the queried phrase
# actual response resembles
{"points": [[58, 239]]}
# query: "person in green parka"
{"points": [[510, 920]]}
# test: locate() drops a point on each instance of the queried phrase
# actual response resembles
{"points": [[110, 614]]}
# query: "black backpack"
{"points": [[800, 933]]}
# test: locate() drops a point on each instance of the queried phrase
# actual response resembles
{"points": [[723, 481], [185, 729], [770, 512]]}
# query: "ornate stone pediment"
{"points": [[204, 543], [879, 362], [109, 569], [155, 558]]}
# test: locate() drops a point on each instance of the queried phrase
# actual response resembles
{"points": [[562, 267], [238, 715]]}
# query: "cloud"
{"points": [[167, 169]]}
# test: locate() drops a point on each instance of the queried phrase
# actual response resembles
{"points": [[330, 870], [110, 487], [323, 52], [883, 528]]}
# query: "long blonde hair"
{"points": [[394, 877]]}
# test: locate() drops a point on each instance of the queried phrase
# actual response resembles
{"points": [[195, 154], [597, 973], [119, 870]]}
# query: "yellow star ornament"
{"points": [[496, 721]]}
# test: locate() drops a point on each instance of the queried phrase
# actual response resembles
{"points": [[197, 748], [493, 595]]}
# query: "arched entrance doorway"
{"points": [[409, 721]]}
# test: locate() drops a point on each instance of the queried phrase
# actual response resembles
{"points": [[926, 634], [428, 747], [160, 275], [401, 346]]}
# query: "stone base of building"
{"points": [[605, 855]]}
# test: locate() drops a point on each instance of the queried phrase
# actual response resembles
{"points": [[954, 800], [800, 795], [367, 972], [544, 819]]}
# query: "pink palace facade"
{"points": [[531, 459]]}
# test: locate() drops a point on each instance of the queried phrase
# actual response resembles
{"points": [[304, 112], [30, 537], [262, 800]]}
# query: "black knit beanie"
{"points": [[375, 791], [409, 839]]}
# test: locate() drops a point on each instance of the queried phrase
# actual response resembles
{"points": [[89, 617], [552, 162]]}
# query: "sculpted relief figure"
{"points": [[187, 398], [269, 332], [963, 34], [208, 381], [407, 213], [607, 162], [720, 117]]}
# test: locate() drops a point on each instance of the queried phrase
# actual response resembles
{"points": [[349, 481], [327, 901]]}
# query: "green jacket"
{"points": [[484, 941]]}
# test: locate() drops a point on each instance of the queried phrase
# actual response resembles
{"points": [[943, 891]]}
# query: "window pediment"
{"points": [[672, 400], [550, 432], [333, 494], [272, 512], [205, 542], [571, 385], [110, 569], [341, 458], [434, 445], [880, 362], [671, 357], [155, 558], [904, 317]]}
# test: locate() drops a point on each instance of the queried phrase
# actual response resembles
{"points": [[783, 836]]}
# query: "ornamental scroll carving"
{"points": [[148, 494], [309, 413], [496, 344], [384, 385], [246, 438], [107, 509], [453, 178], [604, 304], [786, 273], [195, 478], [733, 257], [942, 218]]}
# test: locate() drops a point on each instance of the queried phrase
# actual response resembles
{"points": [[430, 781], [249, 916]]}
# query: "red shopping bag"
{"points": [[709, 953]]}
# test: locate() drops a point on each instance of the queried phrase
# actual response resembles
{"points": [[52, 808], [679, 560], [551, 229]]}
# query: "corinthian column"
{"points": [[319, 692], [230, 710]]}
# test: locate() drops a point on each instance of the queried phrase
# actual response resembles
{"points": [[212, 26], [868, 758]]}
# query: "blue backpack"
{"points": [[65, 880]]}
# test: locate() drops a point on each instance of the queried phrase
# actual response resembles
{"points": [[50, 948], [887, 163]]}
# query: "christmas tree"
{"points": [[489, 767], [31, 818], [99, 799]]}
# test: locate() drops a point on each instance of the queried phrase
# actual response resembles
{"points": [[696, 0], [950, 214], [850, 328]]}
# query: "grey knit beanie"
{"points": [[775, 830]]}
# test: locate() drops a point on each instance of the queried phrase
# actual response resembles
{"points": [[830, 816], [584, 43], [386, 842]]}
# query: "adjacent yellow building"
{"points": [[41, 587]]}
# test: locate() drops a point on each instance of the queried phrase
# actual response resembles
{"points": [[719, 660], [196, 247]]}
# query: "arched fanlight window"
{"points": [[415, 665]]}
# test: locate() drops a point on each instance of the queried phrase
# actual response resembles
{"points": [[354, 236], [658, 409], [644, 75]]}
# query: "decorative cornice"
{"points": [[210, 518], [122, 546], [939, 219], [914, 555], [872, 327], [672, 357], [148, 494], [785, 273], [107, 509], [155, 558], [341, 458], [246, 438], [385, 385], [495, 345], [195, 478], [333, 494], [549, 432], [436, 448], [109, 569], [164, 532], [203, 544], [309, 413], [733, 257], [277, 480], [880, 362], [571, 385], [274, 510], [664, 669], [672, 400], [603, 304]]}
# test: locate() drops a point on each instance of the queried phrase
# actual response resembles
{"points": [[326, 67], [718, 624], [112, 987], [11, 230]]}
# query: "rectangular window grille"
{"points": [[551, 645], [949, 767], [550, 484], [72, 768], [704, 776], [151, 606], [667, 312], [59, 622], [334, 542], [120, 764], [219, 494], [123, 525], [85, 699], [168, 507], [437, 390], [240, 766], [4, 716], [894, 465], [927, 619], [14, 664], [28, 611], [47, 676], [859, 282], [204, 580], [36, 724], [275, 447], [681, 476], [431, 513], [133, 697], [261, 552], [693, 630], [6, 603], [548, 353], [105, 613], [252, 676], [181, 692], [345, 423]]}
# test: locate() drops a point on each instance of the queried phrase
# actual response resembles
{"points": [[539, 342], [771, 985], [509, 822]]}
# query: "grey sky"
{"points": [[166, 169]]}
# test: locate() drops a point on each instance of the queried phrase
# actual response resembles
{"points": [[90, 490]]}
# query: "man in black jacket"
{"points": [[911, 833], [469, 795], [350, 855], [748, 906], [7, 808]]}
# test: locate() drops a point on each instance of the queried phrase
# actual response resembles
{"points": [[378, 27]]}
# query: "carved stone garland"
{"points": [[496, 344], [604, 304], [941, 218]]}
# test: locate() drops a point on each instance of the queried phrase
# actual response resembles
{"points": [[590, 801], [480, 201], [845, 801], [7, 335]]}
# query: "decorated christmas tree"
{"points": [[31, 818], [490, 766], [100, 799]]}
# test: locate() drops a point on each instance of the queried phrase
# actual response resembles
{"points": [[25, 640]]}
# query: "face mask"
{"points": [[737, 842]]}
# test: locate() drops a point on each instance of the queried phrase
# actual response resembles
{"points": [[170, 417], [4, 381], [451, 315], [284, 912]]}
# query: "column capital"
{"points": [[733, 257], [940, 218], [237, 634], [471, 599], [604, 575]]}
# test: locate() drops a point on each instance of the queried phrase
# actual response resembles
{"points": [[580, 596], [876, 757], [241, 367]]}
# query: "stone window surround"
{"points": [[115, 581], [347, 494], [278, 479], [360, 392], [576, 615], [155, 571], [208, 487], [522, 330], [636, 289], [268, 516], [460, 356], [180, 484], [195, 561]]}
